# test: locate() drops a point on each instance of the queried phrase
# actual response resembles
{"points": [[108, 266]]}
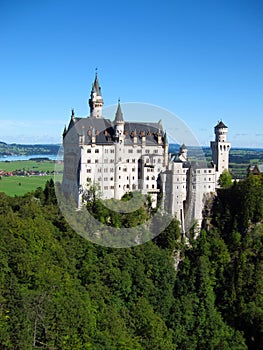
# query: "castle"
{"points": [[121, 156]]}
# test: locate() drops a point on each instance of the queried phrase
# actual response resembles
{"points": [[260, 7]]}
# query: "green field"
{"points": [[47, 165], [19, 185]]}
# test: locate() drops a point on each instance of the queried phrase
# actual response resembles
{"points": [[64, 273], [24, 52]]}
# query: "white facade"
{"points": [[120, 156]]}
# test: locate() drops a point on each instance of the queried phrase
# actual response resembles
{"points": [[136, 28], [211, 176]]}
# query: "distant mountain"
{"points": [[27, 150]]}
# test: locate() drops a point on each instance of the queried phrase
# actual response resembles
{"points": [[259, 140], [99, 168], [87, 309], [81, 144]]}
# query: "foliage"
{"points": [[60, 291], [225, 179]]}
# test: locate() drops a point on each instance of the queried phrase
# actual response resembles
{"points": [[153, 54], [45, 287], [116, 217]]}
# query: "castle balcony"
{"points": [[154, 190], [148, 165]]}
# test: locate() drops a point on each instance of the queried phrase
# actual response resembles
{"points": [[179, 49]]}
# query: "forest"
{"points": [[59, 291]]}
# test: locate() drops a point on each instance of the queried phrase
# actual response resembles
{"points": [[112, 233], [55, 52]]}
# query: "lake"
{"points": [[21, 157]]}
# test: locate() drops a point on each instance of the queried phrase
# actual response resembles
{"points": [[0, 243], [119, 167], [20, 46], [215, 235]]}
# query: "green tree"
{"points": [[225, 179]]}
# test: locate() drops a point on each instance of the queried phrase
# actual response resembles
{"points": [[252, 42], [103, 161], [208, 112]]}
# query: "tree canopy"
{"points": [[60, 291]]}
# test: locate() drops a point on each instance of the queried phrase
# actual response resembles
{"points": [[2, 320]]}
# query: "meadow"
{"points": [[19, 185], [42, 166]]}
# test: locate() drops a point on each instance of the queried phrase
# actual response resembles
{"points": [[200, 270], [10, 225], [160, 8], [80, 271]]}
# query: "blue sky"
{"points": [[201, 60]]}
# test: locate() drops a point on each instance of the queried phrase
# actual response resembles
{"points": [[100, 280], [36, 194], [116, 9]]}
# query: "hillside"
{"points": [[60, 291], [27, 150]]}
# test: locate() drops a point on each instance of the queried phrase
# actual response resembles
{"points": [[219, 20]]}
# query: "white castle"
{"points": [[121, 156]]}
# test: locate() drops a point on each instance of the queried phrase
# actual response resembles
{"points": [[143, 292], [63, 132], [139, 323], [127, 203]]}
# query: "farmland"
{"points": [[19, 185], [30, 165], [37, 174]]}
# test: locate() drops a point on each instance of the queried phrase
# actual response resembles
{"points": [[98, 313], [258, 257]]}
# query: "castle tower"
{"points": [[183, 153], [119, 124], [96, 101], [220, 148]]}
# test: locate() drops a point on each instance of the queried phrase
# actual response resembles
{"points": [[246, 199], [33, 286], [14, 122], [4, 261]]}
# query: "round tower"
{"points": [[220, 148], [221, 131]]}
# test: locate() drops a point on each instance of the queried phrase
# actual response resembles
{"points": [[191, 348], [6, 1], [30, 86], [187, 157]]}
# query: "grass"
{"points": [[19, 185], [48, 165]]}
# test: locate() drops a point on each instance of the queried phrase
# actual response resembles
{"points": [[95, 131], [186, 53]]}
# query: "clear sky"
{"points": [[201, 60]]}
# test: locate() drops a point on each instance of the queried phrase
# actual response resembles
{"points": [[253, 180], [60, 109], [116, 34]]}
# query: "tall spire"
{"points": [[96, 86], [96, 101], [119, 114]]}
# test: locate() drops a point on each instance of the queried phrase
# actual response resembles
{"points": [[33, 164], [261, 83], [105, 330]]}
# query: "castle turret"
{"points": [[96, 101], [166, 149], [119, 124], [183, 153], [220, 148]]}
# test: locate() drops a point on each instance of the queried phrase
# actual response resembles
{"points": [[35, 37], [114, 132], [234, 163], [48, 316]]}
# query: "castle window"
{"points": [[99, 178], [124, 169], [119, 177], [99, 170], [147, 151], [119, 186], [204, 171], [119, 168], [147, 178], [153, 177], [112, 151], [133, 160], [112, 187], [133, 169], [96, 161], [130, 151], [111, 160], [105, 170], [128, 186], [97, 151], [133, 177], [88, 150], [139, 151], [159, 160], [147, 186], [88, 170], [119, 159], [156, 151], [105, 187], [111, 178], [127, 177], [111, 170], [106, 150], [105, 160], [128, 160], [209, 171], [88, 179], [105, 179], [177, 171]]}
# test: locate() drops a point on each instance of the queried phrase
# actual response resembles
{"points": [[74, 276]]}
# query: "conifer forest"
{"points": [[59, 291]]}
